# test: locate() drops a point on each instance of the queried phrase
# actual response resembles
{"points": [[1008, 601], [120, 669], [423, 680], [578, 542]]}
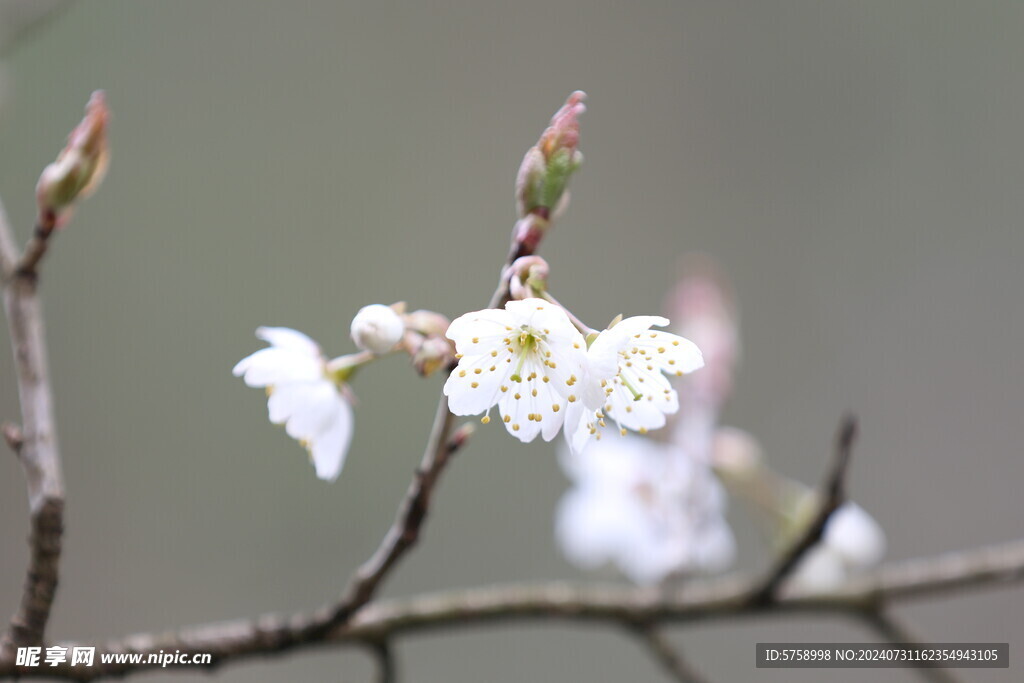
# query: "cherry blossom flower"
{"points": [[526, 359], [305, 395], [853, 542], [625, 379], [644, 506]]}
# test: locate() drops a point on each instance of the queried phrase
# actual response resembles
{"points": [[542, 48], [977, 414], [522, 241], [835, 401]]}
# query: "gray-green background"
{"points": [[857, 167]]}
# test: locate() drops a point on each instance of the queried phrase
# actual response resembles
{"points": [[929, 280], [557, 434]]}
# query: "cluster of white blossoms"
{"points": [[531, 361], [647, 507]]}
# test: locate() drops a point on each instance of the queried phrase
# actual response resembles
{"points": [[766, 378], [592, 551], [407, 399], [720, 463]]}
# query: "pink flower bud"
{"points": [[433, 354], [702, 310], [427, 323], [564, 131], [82, 163]]}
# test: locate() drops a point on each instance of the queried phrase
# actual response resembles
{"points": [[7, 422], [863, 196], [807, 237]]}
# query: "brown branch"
{"points": [[893, 631], [387, 667], [833, 495], [701, 601], [405, 530], [37, 247], [668, 658], [37, 447]]}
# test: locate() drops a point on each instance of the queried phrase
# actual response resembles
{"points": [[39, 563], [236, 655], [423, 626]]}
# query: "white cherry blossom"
{"points": [[853, 541], [525, 359], [625, 378], [302, 396], [646, 507]]}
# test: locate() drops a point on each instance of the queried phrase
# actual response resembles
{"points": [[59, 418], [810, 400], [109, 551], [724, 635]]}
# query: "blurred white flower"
{"points": [[644, 506], [525, 359], [377, 328], [303, 396], [853, 541], [625, 378]]}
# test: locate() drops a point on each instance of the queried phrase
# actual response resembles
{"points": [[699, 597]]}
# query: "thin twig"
{"points": [[668, 657], [701, 601], [893, 631], [387, 667], [37, 449], [833, 495], [37, 246]]}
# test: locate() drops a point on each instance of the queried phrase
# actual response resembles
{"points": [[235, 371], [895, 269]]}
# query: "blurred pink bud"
{"points": [[702, 310], [529, 277], [427, 323], [433, 354], [564, 131], [82, 163], [529, 231], [736, 454], [461, 436]]}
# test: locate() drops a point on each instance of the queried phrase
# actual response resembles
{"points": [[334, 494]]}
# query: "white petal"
{"points": [[307, 408], [534, 403], [271, 366], [591, 526], [856, 536], [715, 548], [329, 448], [480, 331], [822, 569], [471, 392], [670, 352], [287, 338]]}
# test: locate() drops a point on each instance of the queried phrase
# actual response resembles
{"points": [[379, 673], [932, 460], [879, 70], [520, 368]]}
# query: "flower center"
{"points": [[527, 344]]}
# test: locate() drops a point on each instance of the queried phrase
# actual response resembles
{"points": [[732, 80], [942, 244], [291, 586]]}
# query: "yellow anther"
{"points": [[507, 419], [475, 384], [462, 373], [572, 398], [485, 419], [555, 407]]}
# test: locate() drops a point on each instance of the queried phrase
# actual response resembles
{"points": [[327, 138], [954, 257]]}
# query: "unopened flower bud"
{"points": [[530, 181], [529, 232], [377, 328], [529, 277], [544, 174], [701, 306], [82, 163], [427, 323], [563, 135], [461, 436], [433, 354]]}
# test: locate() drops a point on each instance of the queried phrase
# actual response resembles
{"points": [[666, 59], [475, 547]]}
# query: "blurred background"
{"points": [[856, 168]]}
